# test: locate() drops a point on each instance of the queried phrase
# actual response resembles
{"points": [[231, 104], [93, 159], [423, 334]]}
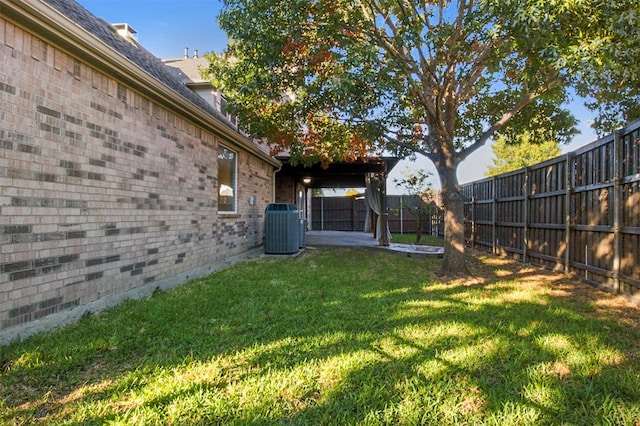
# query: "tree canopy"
{"points": [[333, 80], [611, 80], [509, 156]]}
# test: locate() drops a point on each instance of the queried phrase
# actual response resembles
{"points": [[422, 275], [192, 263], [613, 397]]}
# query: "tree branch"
{"points": [[408, 146], [526, 100], [477, 69], [406, 61]]}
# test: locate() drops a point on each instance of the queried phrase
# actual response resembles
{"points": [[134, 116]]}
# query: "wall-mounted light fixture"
{"points": [[306, 180]]}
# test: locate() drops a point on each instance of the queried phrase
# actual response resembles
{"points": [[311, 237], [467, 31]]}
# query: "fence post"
{"points": [[617, 208], [402, 217], [569, 176], [474, 200], [494, 230], [525, 216], [353, 213]]}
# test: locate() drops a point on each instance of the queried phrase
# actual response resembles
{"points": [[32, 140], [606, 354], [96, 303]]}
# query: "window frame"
{"points": [[234, 177]]}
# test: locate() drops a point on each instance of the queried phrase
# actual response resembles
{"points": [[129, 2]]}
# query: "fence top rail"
{"points": [[550, 162], [595, 144], [511, 173], [475, 182], [630, 127]]}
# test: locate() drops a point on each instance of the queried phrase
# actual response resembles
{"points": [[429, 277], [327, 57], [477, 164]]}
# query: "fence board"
{"points": [[547, 191], [629, 277], [480, 214], [510, 212]]}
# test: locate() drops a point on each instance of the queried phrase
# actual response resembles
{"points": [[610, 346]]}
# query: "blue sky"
{"points": [[166, 27]]}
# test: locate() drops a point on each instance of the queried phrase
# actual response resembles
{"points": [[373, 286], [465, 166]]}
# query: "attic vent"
{"points": [[127, 32]]}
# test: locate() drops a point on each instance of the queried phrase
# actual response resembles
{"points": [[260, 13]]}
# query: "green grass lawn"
{"points": [[340, 336], [425, 239]]}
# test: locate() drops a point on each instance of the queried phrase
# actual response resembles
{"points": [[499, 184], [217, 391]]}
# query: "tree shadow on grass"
{"points": [[498, 365], [318, 347]]}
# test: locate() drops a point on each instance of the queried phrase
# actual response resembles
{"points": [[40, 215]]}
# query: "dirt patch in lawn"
{"points": [[487, 267]]}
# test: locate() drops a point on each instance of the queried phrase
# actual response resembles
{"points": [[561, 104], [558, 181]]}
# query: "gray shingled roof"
{"points": [[188, 68], [138, 55]]}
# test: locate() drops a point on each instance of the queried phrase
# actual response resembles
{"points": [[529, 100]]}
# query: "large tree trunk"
{"points": [[454, 244]]}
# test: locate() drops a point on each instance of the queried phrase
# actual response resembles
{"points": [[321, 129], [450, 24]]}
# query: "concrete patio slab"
{"points": [[363, 239]]}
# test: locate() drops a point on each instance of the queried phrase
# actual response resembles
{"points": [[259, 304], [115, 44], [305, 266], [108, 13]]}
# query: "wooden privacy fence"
{"points": [[403, 221], [349, 213], [337, 214], [579, 212]]}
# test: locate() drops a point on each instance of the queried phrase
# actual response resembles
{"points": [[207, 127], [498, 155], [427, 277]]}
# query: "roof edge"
{"points": [[38, 17]]}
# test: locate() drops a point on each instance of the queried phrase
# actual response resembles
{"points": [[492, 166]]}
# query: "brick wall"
{"points": [[285, 189], [103, 192]]}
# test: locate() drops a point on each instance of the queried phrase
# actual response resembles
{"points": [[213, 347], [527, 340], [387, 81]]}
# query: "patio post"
{"points": [[384, 214]]}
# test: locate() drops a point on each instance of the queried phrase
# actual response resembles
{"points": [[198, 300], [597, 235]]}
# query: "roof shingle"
{"points": [[137, 54]]}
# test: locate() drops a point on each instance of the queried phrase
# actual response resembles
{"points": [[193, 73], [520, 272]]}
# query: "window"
{"points": [[223, 109], [223, 105], [226, 180]]}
